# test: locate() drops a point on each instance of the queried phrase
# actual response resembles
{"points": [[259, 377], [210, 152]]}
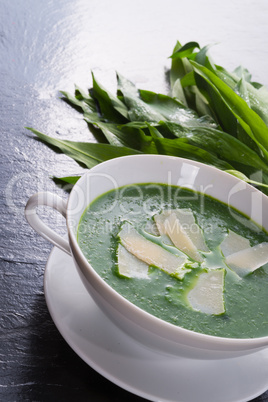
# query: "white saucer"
{"points": [[134, 367]]}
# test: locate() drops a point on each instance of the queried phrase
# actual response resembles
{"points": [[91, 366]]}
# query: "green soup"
{"points": [[164, 295]]}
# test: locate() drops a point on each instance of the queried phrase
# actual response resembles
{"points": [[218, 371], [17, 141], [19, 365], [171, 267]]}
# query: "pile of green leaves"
{"points": [[211, 116]]}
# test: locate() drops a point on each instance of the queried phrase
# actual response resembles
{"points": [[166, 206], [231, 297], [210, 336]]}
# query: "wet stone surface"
{"points": [[46, 47]]}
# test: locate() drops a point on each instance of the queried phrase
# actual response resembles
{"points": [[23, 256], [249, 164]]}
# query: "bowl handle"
{"points": [[49, 200]]}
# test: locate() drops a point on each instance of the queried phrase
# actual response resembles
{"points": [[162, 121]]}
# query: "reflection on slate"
{"points": [[46, 47]]}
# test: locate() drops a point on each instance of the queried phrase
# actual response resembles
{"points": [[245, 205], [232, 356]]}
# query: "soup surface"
{"points": [[241, 300]]}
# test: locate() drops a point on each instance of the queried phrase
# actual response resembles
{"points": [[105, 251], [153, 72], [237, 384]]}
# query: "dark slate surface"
{"points": [[46, 46]]}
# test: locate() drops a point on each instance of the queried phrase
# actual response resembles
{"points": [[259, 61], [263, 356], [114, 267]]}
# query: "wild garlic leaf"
{"points": [[240, 72], [197, 99], [66, 182], [218, 142], [204, 59], [124, 135], [85, 105], [249, 120], [180, 66], [243, 177], [110, 106], [180, 147], [138, 110], [184, 51], [152, 107], [240, 82], [125, 86], [173, 110], [178, 93], [88, 154], [212, 116]]}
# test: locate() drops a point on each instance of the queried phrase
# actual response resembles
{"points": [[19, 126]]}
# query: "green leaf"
{"points": [[188, 79], [221, 112], [237, 174], [154, 132], [86, 105], [249, 120], [223, 145], [138, 110], [126, 86], [195, 97], [68, 179], [80, 94], [111, 107], [184, 51], [87, 153], [240, 82], [203, 58], [124, 135], [137, 124], [179, 65], [243, 177], [66, 182], [178, 93], [181, 70], [180, 147], [257, 99], [172, 110], [241, 72]]}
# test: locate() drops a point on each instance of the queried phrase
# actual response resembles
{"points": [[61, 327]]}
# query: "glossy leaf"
{"points": [[173, 110], [249, 120], [217, 142], [66, 182], [184, 51], [87, 153], [124, 135], [179, 64], [180, 147], [212, 116], [110, 106]]}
